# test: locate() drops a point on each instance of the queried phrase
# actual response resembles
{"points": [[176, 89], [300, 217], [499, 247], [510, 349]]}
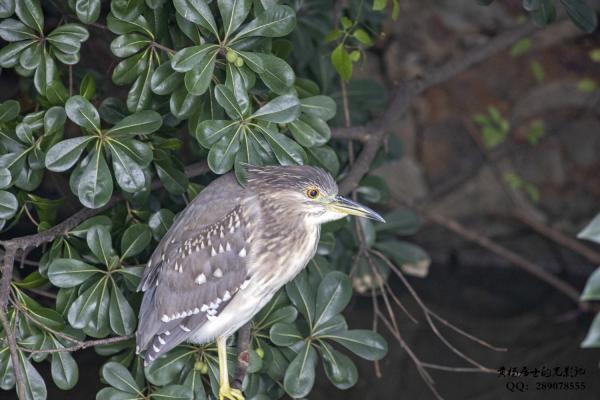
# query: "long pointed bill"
{"points": [[343, 205]]}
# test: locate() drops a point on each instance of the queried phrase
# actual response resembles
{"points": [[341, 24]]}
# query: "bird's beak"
{"points": [[346, 206]]}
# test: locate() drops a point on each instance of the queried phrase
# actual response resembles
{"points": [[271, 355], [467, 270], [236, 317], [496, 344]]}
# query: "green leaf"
{"points": [[7, 8], [44, 316], [64, 369], [56, 93], [198, 79], [160, 222], [322, 107], [545, 12], [68, 272], [300, 375], [173, 179], [324, 157], [310, 131], [282, 109], [165, 80], [110, 393], [173, 392], [581, 14], [83, 113], [30, 13], [591, 291], [130, 68], [140, 94], [31, 281], [284, 334], [333, 295], [119, 377], [126, 9], [198, 12], [276, 74], [82, 229], [121, 315], [45, 73], [592, 338], [95, 186], [54, 120], [13, 30], [5, 178], [135, 239], [302, 296], [35, 387], [9, 54], [227, 100], [9, 110], [276, 21], [362, 36], [286, 150], [339, 368], [341, 62], [167, 369], [88, 11], [222, 154], [129, 44], [210, 131], [182, 104], [364, 343], [141, 123], [233, 13], [128, 173], [521, 47], [8, 204], [65, 154], [591, 231], [190, 57], [99, 241]]}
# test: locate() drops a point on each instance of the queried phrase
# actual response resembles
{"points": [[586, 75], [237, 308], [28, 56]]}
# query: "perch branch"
{"points": [[406, 92], [80, 345]]}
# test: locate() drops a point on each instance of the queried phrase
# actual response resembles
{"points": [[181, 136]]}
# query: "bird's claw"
{"points": [[227, 392]]}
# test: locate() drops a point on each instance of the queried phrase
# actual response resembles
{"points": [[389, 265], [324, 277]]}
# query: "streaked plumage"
{"points": [[228, 253]]}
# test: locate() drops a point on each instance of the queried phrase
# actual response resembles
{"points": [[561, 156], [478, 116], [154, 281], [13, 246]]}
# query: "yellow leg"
{"points": [[225, 391]]}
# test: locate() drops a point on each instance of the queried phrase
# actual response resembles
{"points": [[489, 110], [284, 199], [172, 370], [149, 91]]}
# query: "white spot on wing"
{"points": [[185, 328], [242, 252], [218, 273], [200, 279], [165, 318], [161, 340]]}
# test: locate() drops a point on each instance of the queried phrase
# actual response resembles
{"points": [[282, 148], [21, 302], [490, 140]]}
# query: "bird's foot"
{"points": [[227, 392]]}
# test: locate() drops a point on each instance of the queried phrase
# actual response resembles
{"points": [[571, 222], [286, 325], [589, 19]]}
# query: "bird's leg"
{"points": [[225, 391]]}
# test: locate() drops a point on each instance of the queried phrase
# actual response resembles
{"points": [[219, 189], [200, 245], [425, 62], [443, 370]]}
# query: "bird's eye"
{"points": [[312, 193]]}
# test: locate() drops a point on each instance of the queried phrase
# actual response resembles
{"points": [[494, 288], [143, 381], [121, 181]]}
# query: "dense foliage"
{"points": [[216, 73], [226, 81]]}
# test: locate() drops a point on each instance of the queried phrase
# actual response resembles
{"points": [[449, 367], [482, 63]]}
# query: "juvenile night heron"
{"points": [[229, 252]]}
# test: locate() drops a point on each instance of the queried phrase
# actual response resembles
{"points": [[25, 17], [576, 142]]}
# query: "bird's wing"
{"points": [[195, 271]]}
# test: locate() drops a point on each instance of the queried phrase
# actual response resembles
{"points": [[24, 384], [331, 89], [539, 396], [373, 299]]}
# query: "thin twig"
{"points": [[80, 345]]}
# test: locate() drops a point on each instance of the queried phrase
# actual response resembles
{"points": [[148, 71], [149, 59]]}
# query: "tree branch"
{"points": [[406, 92]]}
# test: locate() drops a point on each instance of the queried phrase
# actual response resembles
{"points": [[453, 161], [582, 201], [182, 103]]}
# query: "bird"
{"points": [[229, 251]]}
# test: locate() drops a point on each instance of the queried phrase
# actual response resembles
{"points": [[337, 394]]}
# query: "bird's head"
{"points": [[306, 191]]}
